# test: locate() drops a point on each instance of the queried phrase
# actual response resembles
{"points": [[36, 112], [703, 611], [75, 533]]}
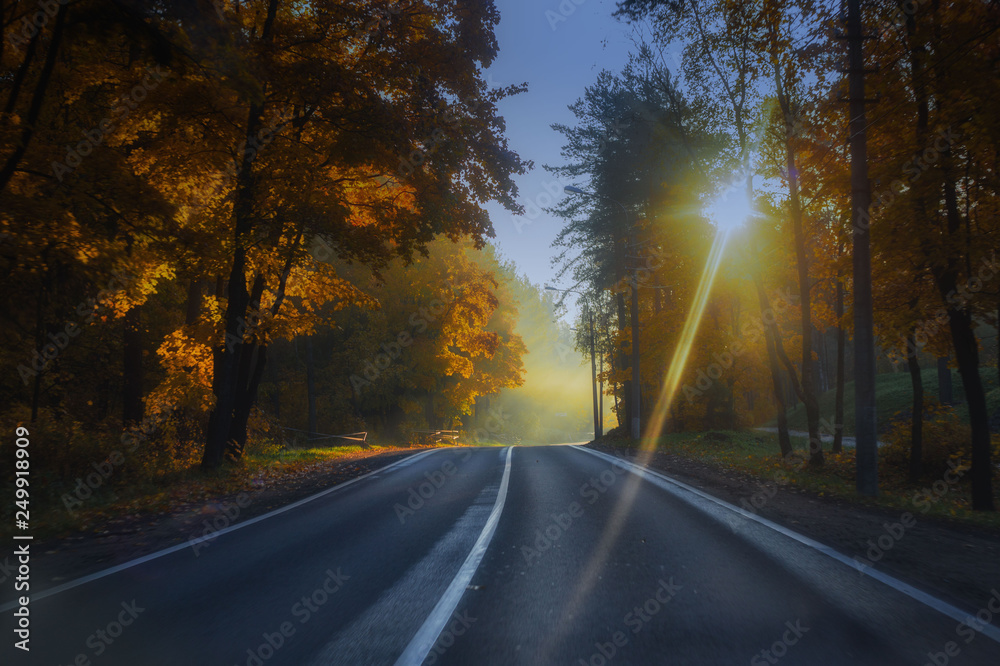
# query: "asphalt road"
{"points": [[544, 555]]}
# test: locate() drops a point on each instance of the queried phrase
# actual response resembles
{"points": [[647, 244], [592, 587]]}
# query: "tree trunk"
{"points": [[227, 356], [917, 419], [37, 98], [635, 415], [823, 365], [945, 393], [784, 443], [600, 396], [623, 357], [808, 393], [865, 415], [132, 404], [838, 401], [36, 390], [805, 303], [192, 309], [246, 398], [311, 385], [966, 346], [250, 370], [967, 355], [429, 412]]}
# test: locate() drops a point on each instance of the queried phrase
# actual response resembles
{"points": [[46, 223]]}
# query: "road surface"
{"points": [[541, 555]]}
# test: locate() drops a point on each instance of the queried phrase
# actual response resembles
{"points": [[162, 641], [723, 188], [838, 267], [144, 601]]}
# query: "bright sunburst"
{"points": [[731, 209]]}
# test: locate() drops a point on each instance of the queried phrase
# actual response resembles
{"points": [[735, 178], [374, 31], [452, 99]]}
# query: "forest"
{"points": [[236, 226]]}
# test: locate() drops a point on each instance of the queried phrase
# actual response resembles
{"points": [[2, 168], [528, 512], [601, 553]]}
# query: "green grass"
{"points": [[893, 394], [152, 495], [758, 454], [310, 455]]}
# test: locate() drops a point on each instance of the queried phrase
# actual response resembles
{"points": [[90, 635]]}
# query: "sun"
{"points": [[731, 209]]}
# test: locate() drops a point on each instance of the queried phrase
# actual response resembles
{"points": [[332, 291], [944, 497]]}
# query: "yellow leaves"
{"points": [[189, 365]]}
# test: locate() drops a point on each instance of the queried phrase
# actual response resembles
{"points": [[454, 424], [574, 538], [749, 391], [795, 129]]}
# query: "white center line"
{"points": [[421, 643]]}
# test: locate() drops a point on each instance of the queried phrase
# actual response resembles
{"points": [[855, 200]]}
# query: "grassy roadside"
{"points": [[257, 471], [757, 454], [893, 396]]}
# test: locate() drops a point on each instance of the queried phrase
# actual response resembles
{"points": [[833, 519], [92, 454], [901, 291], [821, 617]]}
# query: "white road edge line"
{"points": [[422, 642], [187, 544], [933, 602]]}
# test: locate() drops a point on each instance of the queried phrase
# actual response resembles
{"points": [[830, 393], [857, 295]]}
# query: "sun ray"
{"points": [[621, 510], [655, 427]]}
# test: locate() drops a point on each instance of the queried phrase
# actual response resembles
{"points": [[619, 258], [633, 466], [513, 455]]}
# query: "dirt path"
{"points": [[849, 442]]}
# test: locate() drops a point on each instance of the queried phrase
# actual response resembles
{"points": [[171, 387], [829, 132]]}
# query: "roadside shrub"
{"points": [[61, 450], [161, 445], [265, 436], [945, 438]]}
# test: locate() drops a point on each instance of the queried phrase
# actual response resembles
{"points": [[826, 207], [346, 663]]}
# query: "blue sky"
{"points": [[558, 59]]}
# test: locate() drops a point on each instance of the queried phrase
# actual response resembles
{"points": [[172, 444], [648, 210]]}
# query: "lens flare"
{"points": [[683, 350], [613, 528]]}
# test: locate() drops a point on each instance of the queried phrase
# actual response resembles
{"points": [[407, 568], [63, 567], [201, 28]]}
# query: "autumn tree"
{"points": [[310, 96], [938, 75]]}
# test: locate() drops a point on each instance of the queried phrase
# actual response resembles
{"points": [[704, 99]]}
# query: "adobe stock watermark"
{"points": [[102, 639], [323, 250], [88, 310], [495, 424], [32, 24], [967, 630], [228, 514], [95, 136], [561, 14], [795, 128], [417, 497], [767, 491], [957, 298], [7, 569], [913, 170], [591, 491], [753, 504], [779, 648], [131, 439], [247, 327], [302, 610], [391, 351], [249, 148], [641, 276], [533, 209], [451, 120], [923, 499], [901, 11], [634, 620], [825, 427], [750, 333], [459, 624]]}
